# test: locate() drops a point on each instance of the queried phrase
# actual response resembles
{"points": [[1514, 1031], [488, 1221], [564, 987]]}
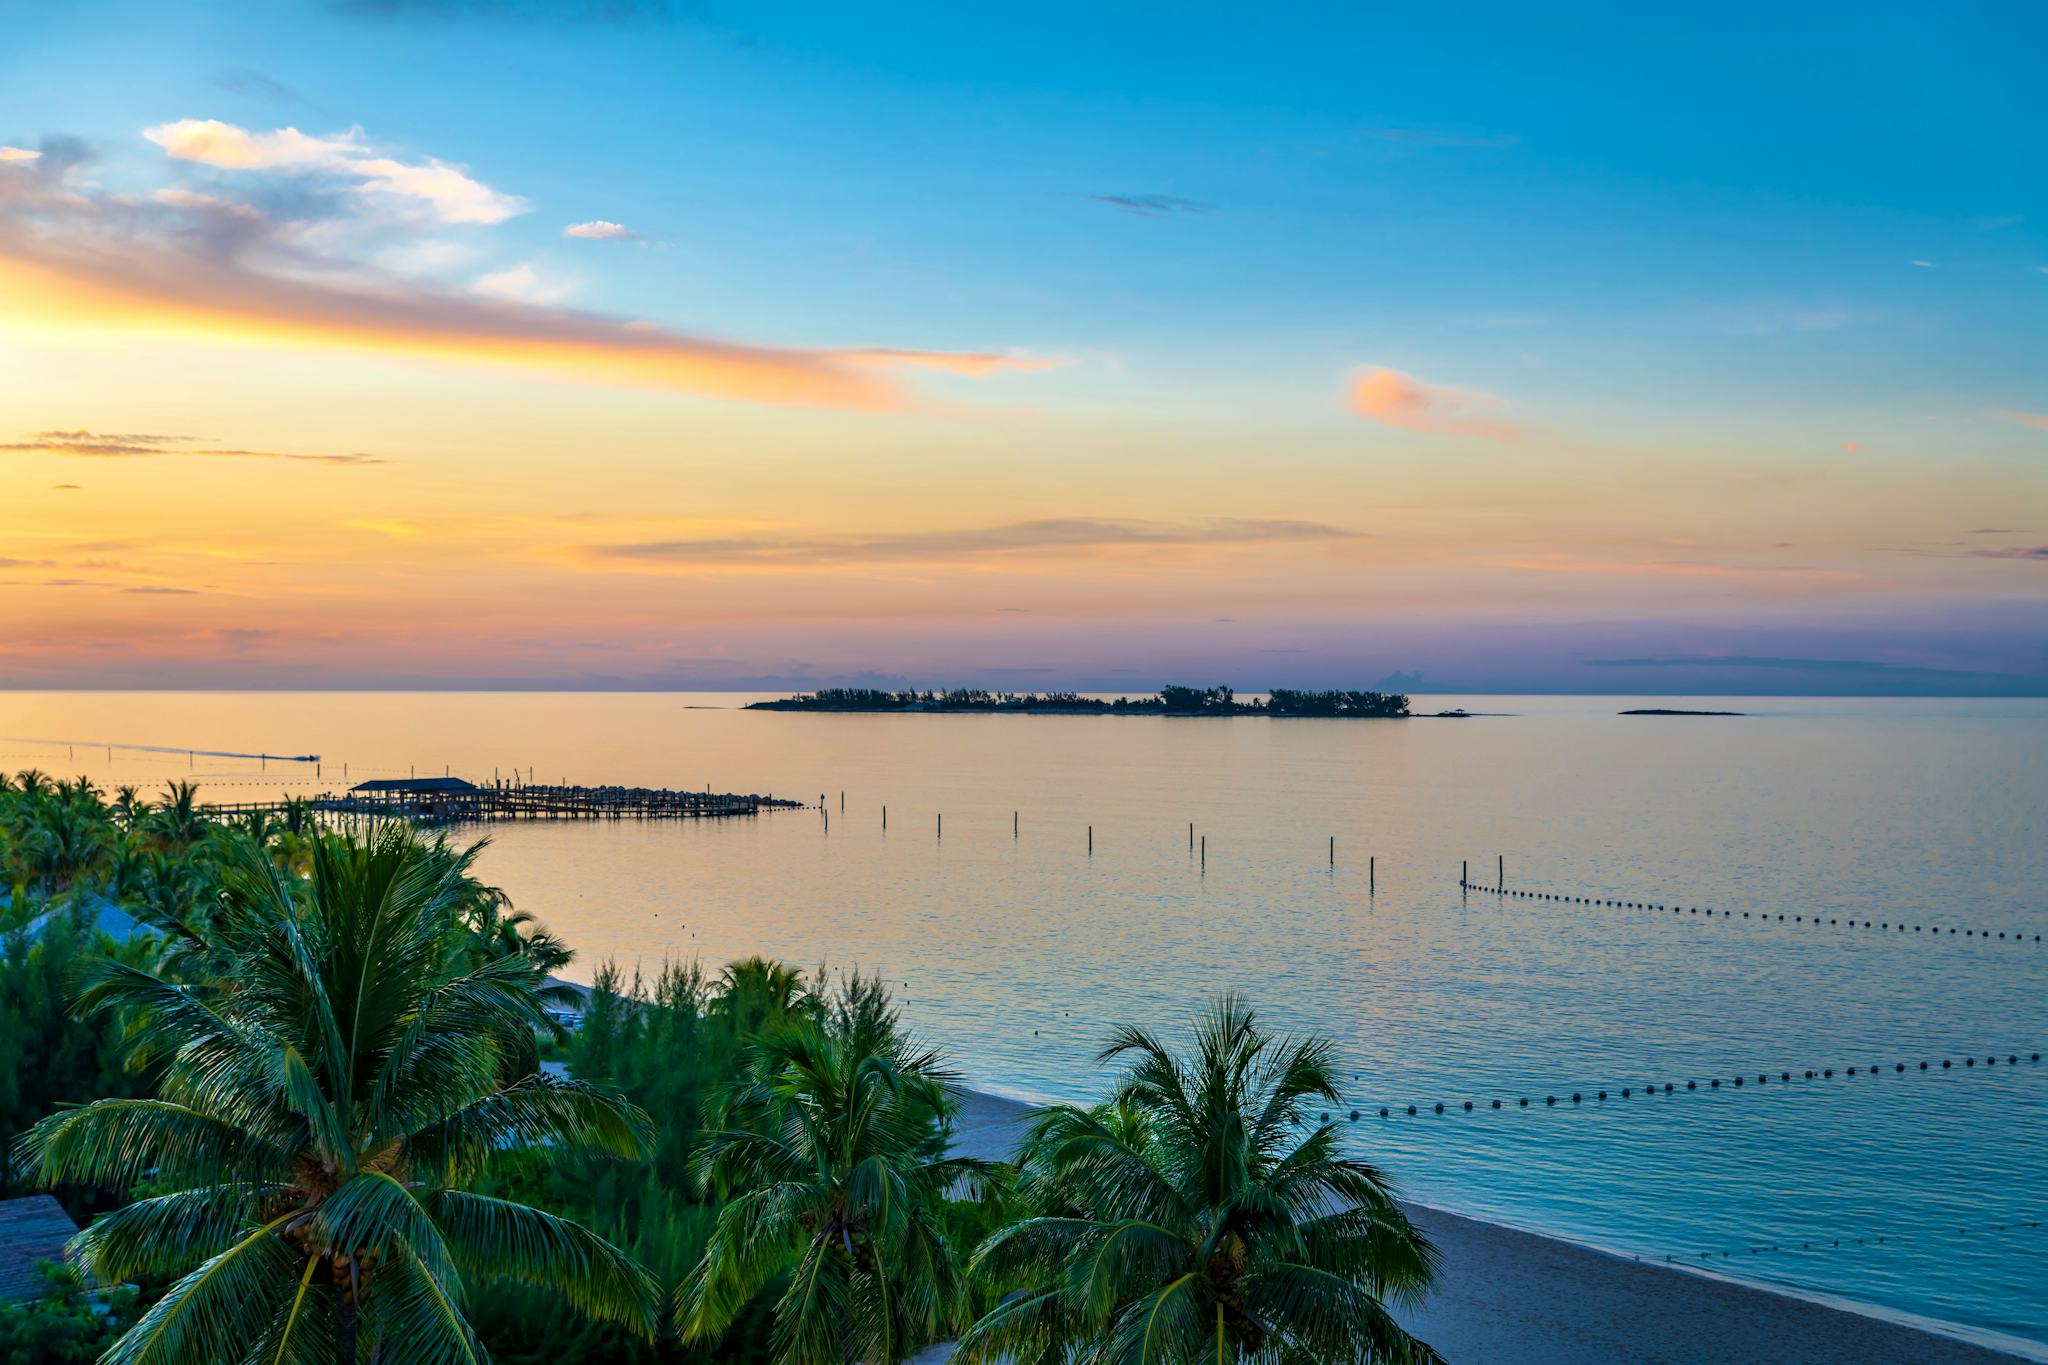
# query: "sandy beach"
{"points": [[1517, 1297]]}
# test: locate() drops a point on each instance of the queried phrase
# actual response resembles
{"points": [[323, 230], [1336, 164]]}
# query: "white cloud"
{"points": [[521, 284], [454, 196], [447, 192], [8, 154], [1924, 265], [428, 256], [601, 230], [214, 143]]}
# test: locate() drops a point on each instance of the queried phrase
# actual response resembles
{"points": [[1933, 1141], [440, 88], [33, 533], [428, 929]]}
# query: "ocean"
{"points": [[1017, 947]]}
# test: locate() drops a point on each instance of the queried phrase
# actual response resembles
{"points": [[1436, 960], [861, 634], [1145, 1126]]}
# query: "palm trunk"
{"points": [[349, 1323]]}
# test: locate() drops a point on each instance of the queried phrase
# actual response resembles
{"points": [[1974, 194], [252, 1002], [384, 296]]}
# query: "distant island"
{"points": [[1167, 701], [1665, 711]]}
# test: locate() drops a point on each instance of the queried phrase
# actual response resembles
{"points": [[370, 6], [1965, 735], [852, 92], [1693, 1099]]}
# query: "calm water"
{"points": [[1018, 953]]}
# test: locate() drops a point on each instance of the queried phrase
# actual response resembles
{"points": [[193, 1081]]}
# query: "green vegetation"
{"points": [[832, 1151], [320, 1108], [1172, 700], [66, 1325], [300, 1098], [1198, 1217]]}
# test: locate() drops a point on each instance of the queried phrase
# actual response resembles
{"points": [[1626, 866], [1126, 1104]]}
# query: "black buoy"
{"points": [[1383, 1113], [1468, 1106], [1411, 1111], [1496, 1104]]}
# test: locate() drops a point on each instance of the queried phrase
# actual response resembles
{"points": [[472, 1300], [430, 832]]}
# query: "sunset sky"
{"points": [[620, 343]]}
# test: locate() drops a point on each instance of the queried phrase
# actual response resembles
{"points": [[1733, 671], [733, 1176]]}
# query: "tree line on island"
{"points": [[314, 1099], [1172, 700]]}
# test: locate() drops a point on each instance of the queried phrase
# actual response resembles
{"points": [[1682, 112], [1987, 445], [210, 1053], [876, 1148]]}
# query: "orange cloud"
{"points": [[1401, 400], [135, 284], [2026, 419]]}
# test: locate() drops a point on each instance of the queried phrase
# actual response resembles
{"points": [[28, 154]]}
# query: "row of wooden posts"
{"points": [[1198, 844]]}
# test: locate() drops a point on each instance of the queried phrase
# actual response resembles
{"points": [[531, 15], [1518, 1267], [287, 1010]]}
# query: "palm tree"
{"points": [[833, 1154], [178, 820], [128, 806], [757, 994], [1197, 1218], [320, 1109]]}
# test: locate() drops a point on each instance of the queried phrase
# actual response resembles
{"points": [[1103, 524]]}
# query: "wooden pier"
{"points": [[451, 800]]}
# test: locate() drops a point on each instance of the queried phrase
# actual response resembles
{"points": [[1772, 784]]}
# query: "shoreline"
{"points": [[1511, 1293]]}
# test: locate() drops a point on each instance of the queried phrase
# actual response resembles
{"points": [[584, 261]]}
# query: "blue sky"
{"points": [[1643, 243]]}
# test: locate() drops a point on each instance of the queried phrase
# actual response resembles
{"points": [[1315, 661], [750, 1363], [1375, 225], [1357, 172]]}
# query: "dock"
{"points": [[452, 800]]}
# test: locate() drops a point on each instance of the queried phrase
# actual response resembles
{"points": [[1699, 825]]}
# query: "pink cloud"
{"points": [[2026, 419], [1401, 400]]}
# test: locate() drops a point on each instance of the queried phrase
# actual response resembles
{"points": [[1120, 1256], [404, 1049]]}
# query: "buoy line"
{"points": [[1760, 916], [1713, 1085], [1881, 1239]]}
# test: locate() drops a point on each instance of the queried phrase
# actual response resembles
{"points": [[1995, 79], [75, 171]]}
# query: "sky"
{"points": [[627, 343]]}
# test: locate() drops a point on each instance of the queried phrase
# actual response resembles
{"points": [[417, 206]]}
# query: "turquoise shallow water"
{"points": [[1018, 953]]}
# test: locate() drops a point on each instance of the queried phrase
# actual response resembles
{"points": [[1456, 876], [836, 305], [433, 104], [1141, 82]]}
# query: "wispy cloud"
{"points": [[195, 264], [1832, 668], [1051, 535], [136, 446], [601, 230], [1776, 317], [522, 283], [17, 154], [1679, 568], [446, 192], [2025, 419], [1153, 205], [249, 82], [2037, 554], [1401, 400]]}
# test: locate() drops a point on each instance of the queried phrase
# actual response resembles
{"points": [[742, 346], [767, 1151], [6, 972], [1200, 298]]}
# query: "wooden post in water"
{"points": [[885, 817], [1372, 875], [1333, 850], [1191, 834], [942, 825], [1091, 839], [1205, 852], [1464, 874], [1013, 824], [1503, 870]]}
